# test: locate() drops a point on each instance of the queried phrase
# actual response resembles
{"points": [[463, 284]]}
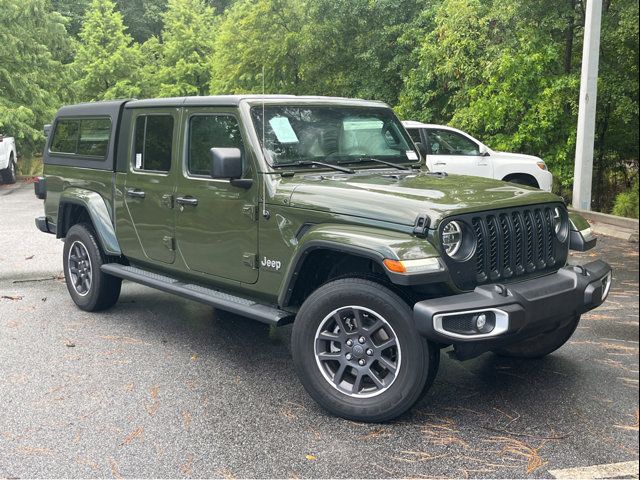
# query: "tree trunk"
{"points": [[568, 38], [601, 202]]}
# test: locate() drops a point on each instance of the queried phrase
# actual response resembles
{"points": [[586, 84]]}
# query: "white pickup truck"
{"points": [[451, 150], [8, 158]]}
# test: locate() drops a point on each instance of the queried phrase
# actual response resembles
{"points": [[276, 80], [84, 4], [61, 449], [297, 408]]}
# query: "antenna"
{"points": [[265, 213]]}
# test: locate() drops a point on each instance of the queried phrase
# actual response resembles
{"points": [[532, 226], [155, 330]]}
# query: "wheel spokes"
{"points": [[387, 364], [337, 377], [357, 351], [386, 344], [79, 268], [374, 378]]}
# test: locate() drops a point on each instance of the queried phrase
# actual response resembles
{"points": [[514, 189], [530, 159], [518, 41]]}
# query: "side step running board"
{"points": [[223, 301]]}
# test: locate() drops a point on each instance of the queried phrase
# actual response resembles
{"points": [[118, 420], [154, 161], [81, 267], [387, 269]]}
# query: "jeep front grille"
{"points": [[510, 244]]}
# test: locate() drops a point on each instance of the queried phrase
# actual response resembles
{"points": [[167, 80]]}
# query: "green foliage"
{"points": [[106, 61], [30, 166], [187, 45], [257, 34], [491, 69], [73, 11], [352, 48], [143, 18], [626, 204], [33, 77], [507, 71], [617, 128]]}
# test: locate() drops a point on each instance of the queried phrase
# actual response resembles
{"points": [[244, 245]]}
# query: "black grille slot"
{"points": [[518, 240], [529, 246], [480, 253], [548, 216], [493, 245], [510, 244]]}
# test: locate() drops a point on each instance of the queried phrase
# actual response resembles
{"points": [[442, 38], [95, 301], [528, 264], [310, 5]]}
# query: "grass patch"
{"points": [[30, 166]]}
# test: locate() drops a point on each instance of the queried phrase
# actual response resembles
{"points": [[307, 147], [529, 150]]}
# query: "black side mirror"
{"points": [[421, 148], [47, 129], [226, 163]]}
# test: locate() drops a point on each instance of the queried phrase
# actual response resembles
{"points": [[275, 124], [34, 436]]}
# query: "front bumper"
{"points": [[545, 180], [44, 225], [520, 310]]}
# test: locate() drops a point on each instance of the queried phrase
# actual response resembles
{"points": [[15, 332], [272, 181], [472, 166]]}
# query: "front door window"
{"points": [[446, 142], [216, 233], [207, 132]]}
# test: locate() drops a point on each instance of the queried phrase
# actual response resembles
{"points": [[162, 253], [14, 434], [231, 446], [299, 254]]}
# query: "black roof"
{"points": [[106, 108], [235, 100], [112, 107]]}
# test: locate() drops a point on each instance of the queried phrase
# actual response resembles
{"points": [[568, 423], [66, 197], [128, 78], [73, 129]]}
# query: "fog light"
{"points": [[488, 322], [485, 322]]}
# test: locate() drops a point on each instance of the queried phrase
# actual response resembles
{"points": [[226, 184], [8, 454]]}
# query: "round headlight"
{"points": [[559, 224], [452, 238]]}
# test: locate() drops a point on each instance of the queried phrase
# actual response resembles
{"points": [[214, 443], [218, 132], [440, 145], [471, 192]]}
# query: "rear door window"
{"points": [[87, 137], [414, 133], [153, 143], [94, 137]]}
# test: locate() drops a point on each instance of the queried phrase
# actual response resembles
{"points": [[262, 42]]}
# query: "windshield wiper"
{"points": [[309, 163], [376, 160]]}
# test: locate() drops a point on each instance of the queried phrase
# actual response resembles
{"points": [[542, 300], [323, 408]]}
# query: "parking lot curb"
{"points": [[611, 225]]}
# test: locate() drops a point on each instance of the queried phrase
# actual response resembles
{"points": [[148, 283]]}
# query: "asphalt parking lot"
{"points": [[159, 386]]}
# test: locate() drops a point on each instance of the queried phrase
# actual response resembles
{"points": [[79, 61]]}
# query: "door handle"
{"points": [[440, 163], [187, 201], [135, 193]]}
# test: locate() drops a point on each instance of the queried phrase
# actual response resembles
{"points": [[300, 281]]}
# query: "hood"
{"points": [[514, 156], [401, 197]]}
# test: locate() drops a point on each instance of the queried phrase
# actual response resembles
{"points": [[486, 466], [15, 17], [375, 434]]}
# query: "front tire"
{"points": [[357, 353], [91, 289], [542, 344]]}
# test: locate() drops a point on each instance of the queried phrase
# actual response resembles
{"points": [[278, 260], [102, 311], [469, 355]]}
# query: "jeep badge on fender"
{"points": [[271, 264], [377, 262]]}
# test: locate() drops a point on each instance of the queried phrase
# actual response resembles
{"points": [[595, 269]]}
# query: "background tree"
{"points": [[143, 18], [187, 45], [352, 48], [33, 77], [107, 61], [73, 11], [257, 34], [508, 71]]}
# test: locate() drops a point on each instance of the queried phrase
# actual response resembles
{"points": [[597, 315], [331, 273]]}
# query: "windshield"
{"points": [[331, 134]]}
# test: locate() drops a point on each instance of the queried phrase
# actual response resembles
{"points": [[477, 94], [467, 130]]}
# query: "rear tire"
{"points": [[9, 173], [357, 352], [90, 288], [542, 344]]}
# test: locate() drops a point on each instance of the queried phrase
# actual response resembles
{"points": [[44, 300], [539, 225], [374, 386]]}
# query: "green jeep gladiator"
{"points": [[318, 212]]}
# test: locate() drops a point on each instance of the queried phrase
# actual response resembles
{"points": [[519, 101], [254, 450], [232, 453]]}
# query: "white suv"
{"points": [[7, 159], [453, 151]]}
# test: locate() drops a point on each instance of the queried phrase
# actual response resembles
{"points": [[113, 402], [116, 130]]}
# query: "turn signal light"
{"points": [[394, 265], [420, 265]]}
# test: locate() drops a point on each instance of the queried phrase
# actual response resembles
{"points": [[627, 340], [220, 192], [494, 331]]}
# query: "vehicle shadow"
{"points": [[260, 356]]}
